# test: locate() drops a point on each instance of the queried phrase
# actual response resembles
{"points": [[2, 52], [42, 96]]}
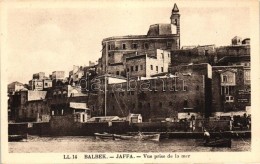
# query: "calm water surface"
{"points": [[36, 144]]}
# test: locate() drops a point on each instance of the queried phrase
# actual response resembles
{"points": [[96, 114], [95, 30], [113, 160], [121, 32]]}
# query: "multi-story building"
{"points": [[76, 74], [29, 106], [182, 94], [146, 66], [159, 36], [58, 75], [40, 76], [36, 84], [14, 87], [232, 90], [40, 82], [47, 83], [231, 79], [60, 98], [237, 54], [58, 78]]}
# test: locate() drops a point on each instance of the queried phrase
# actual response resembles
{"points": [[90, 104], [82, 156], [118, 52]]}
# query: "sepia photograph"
{"points": [[142, 81]]}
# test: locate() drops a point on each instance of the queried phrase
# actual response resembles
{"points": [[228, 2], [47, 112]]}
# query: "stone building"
{"points": [[159, 36], [40, 82], [146, 66], [232, 90], [47, 83], [231, 79], [237, 53], [58, 75], [181, 94], [76, 74], [235, 61], [29, 106], [239, 47], [39, 76], [60, 97], [36, 84], [14, 87], [193, 54]]}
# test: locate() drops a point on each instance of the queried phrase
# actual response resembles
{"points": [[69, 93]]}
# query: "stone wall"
{"points": [[236, 50], [160, 100]]}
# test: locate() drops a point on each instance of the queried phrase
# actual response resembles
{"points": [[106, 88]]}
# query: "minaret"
{"points": [[175, 18]]}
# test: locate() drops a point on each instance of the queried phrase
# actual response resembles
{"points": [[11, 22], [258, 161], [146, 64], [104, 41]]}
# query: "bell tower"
{"points": [[175, 18]]}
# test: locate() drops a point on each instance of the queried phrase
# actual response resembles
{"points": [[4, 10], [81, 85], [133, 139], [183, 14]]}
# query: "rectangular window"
{"points": [[124, 46], [229, 99], [117, 72], [134, 45], [136, 68], [226, 89], [184, 86], [161, 69], [127, 69], [109, 47], [169, 44], [224, 79], [160, 104], [157, 68], [146, 45], [141, 67], [206, 52], [151, 67], [148, 105], [132, 68]]}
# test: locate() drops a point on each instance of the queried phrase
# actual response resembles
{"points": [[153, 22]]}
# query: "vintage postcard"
{"points": [[130, 81]]}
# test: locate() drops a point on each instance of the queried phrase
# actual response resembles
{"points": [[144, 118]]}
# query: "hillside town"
{"points": [[142, 79]]}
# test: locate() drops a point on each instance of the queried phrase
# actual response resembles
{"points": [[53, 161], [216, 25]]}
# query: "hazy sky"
{"points": [[44, 39]]}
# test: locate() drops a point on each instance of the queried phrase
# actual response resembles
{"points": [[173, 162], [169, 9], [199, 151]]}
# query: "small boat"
{"points": [[224, 142], [103, 135], [142, 137], [16, 138]]}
